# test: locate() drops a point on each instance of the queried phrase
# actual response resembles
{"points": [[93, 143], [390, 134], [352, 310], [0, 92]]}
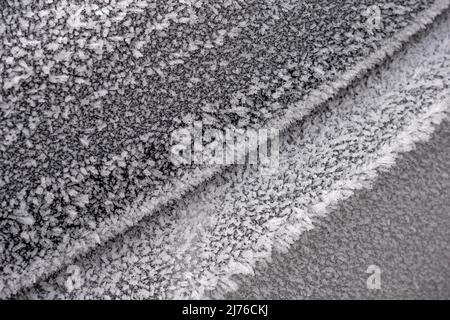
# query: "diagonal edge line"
{"points": [[108, 230]]}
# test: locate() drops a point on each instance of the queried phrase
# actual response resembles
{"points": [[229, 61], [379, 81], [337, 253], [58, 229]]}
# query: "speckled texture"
{"points": [[239, 219], [402, 226], [90, 91]]}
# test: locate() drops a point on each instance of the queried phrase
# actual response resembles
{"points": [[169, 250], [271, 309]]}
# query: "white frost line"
{"points": [[362, 178], [108, 229]]}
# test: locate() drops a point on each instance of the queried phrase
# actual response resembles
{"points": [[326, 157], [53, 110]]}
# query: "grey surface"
{"points": [[242, 216], [402, 225], [90, 92]]}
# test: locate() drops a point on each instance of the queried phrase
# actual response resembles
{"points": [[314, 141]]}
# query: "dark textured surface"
{"points": [[402, 225], [241, 217], [90, 92]]}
